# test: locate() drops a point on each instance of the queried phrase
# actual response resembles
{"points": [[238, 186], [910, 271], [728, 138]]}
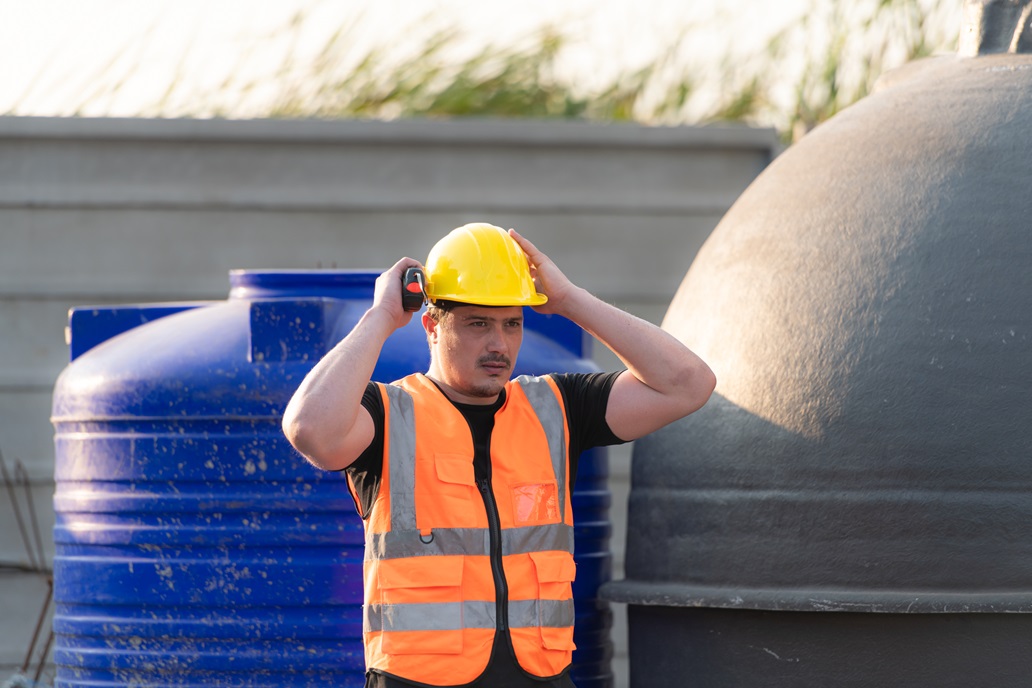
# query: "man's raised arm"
{"points": [[325, 420], [664, 380]]}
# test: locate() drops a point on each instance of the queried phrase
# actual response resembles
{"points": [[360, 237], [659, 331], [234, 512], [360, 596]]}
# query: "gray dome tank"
{"points": [[854, 505]]}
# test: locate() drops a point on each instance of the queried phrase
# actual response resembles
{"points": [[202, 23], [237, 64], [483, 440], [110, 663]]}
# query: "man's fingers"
{"points": [[528, 247]]}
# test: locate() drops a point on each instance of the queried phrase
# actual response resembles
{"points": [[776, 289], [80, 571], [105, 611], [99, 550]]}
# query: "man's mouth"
{"points": [[495, 365]]}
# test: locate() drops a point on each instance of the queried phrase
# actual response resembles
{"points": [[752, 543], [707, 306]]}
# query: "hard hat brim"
{"points": [[535, 300]]}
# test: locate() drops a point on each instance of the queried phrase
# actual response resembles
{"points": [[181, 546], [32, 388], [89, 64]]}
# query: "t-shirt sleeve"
{"points": [[587, 396], [366, 470]]}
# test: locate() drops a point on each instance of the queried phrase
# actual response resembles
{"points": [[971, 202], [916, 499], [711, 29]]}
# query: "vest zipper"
{"points": [[495, 529]]}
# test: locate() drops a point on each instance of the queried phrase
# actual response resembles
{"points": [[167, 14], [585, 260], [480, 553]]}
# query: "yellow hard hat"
{"points": [[480, 264]]}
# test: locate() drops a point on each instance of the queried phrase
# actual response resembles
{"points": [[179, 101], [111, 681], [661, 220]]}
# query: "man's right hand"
{"points": [[387, 292], [325, 419]]}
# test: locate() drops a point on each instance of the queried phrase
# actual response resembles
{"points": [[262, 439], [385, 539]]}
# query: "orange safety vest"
{"points": [[431, 604]]}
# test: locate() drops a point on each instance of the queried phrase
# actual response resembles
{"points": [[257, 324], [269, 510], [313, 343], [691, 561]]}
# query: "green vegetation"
{"points": [[827, 59], [813, 67], [850, 44]]}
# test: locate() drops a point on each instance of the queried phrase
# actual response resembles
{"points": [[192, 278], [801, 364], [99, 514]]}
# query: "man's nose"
{"points": [[497, 343]]}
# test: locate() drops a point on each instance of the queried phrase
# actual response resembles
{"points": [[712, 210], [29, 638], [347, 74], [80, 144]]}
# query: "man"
{"points": [[463, 476]]}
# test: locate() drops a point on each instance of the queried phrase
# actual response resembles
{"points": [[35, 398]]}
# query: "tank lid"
{"points": [[996, 26], [265, 284]]}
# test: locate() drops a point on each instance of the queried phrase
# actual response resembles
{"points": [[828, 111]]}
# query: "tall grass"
{"points": [[815, 66], [851, 44], [827, 59], [430, 78]]}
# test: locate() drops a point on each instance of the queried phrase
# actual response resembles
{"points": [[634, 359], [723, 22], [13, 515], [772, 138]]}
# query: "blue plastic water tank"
{"points": [[194, 546]]}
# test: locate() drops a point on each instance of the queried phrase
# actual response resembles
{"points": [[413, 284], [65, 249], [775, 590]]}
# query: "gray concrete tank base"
{"points": [[854, 505]]}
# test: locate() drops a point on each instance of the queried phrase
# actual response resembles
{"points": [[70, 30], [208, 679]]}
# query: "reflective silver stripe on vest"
{"points": [[462, 541], [544, 613], [400, 544], [401, 451], [453, 616], [555, 536], [433, 616], [552, 418]]}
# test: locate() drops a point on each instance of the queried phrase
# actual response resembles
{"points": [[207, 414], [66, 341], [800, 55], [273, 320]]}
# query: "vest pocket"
{"points": [[535, 504], [422, 611], [555, 574], [455, 494], [558, 639]]}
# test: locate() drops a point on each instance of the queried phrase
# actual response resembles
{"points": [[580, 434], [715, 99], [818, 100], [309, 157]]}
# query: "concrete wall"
{"points": [[102, 211]]}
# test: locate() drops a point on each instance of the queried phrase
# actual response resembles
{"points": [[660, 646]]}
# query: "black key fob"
{"points": [[413, 289]]}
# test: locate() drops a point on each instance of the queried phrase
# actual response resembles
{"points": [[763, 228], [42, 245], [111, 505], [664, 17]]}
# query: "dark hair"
{"points": [[440, 308]]}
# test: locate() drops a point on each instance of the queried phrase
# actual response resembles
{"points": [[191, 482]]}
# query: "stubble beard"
{"points": [[485, 391], [494, 387]]}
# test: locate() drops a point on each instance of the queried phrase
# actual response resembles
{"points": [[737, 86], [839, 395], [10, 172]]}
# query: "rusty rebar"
{"points": [[9, 483], [39, 627], [21, 475]]}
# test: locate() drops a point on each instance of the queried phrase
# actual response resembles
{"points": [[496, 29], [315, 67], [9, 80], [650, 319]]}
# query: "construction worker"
{"points": [[463, 476]]}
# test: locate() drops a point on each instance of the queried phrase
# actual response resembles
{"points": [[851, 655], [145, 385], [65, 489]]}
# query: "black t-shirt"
{"points": [[585, 397]]}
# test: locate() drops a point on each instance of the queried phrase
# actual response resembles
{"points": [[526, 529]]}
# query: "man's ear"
{"points": [[430, 327]]}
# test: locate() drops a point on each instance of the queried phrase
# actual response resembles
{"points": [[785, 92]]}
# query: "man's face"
{"points": [[473, 350]]}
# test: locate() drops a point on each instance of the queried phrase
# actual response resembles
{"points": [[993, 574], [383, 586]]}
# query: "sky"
{"points": [[121, 57]]}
